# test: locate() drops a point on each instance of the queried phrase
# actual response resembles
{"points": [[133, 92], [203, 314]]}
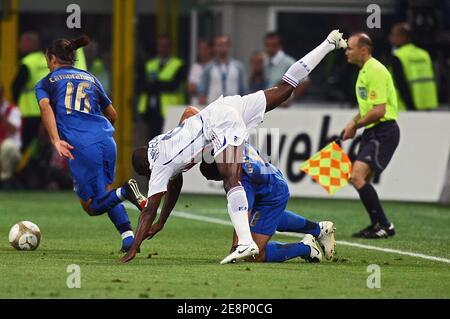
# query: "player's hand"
{"points": [[129, 256], [63, 148], [156, 228], [349, 131]]}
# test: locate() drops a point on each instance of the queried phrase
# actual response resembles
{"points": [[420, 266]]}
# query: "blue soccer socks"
{"points": [[291, 222], [279, 252]]}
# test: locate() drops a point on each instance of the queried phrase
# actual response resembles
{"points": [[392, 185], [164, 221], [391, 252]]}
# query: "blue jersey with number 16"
{"points": [[77, 99]]}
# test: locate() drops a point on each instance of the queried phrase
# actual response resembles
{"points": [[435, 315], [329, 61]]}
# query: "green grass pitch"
{"points": [[183, 260]]}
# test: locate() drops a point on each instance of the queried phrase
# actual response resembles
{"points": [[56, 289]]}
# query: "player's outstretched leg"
{"points": [[322, 231], [111, 202], [230, 169], [306, 249], [119, 217], [291, 222], [129, 191], [300, 69]]}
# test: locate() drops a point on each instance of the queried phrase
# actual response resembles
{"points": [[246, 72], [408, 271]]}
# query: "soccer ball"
{"points": [[25, 236]]}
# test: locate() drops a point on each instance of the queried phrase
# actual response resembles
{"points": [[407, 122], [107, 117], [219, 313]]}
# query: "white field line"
{"points": [[219, 221]]}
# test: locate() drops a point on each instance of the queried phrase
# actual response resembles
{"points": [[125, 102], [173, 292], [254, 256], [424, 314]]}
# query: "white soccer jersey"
{"points": [[224, 122]]}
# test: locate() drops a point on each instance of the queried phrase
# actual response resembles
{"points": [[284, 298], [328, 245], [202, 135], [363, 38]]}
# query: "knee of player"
{"points": [[87, 208], [357, 180]]}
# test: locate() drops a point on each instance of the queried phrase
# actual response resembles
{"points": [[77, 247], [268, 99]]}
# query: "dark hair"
{"points": [[404, 30], [64, 49], [364, 40], [139, 160]]}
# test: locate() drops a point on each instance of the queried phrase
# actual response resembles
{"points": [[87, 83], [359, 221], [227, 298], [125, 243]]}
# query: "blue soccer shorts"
{"points": [[267, 209], [93, 168]]}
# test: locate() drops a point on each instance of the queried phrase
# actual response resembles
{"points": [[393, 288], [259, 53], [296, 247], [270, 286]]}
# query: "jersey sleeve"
{"points": [[377, 88], [159, 178], [104, 99], [42, 89]]}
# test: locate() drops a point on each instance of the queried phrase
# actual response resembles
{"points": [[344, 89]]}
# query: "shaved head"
{"points": [[359, 48], [363, 40]]}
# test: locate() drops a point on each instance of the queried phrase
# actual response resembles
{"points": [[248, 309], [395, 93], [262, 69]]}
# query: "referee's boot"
{"points": [[376, 231]]}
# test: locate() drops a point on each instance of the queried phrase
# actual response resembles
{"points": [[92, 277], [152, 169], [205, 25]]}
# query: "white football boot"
{"points": [[326, 239], [241, 252], [335, 38], [316, 254]]}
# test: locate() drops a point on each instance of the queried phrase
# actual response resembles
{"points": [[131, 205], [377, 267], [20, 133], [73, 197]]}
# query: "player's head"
{"points": [[29, 42], [62, 51], [272, 43], [222, 44], [140, 161], [400, 34], [359, 48]]}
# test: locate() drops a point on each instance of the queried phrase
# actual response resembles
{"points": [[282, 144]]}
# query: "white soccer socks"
{"points": [[300, 69], [238, 211]]}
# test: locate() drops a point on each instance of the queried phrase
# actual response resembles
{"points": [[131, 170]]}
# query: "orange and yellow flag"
{"points": [[330, 167]]}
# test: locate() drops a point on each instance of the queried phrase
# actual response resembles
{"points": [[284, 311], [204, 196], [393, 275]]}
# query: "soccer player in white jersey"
{"points": [[223, 125]]}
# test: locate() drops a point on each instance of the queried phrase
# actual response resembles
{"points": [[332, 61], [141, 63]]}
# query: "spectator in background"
{"points": [[412, 70], [222, 76], [257, 81], [277, 63], [33, 67], [204, 53], [164, 77], [10, 141]]}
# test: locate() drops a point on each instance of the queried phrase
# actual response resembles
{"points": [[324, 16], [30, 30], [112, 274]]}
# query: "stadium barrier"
{"points": [[419, 170]]}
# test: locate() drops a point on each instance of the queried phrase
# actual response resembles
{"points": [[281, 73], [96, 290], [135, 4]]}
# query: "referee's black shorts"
{"points": [[378, 145]]}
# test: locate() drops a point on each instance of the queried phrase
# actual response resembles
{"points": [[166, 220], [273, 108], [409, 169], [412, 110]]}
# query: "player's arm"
{"points": [[373, 116], [48, 119], [110, 113], [173, 192], [145, 222]]}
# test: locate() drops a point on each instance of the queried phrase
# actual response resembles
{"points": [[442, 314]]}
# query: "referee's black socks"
{"points": [[369, 198]]}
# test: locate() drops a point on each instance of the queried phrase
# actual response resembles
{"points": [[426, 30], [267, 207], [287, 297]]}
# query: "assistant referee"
{"points": [[378, 110]]}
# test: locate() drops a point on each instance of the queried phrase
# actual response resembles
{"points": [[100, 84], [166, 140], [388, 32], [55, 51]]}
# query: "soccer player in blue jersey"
{"points": [[267, 194], [79, 117]]}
